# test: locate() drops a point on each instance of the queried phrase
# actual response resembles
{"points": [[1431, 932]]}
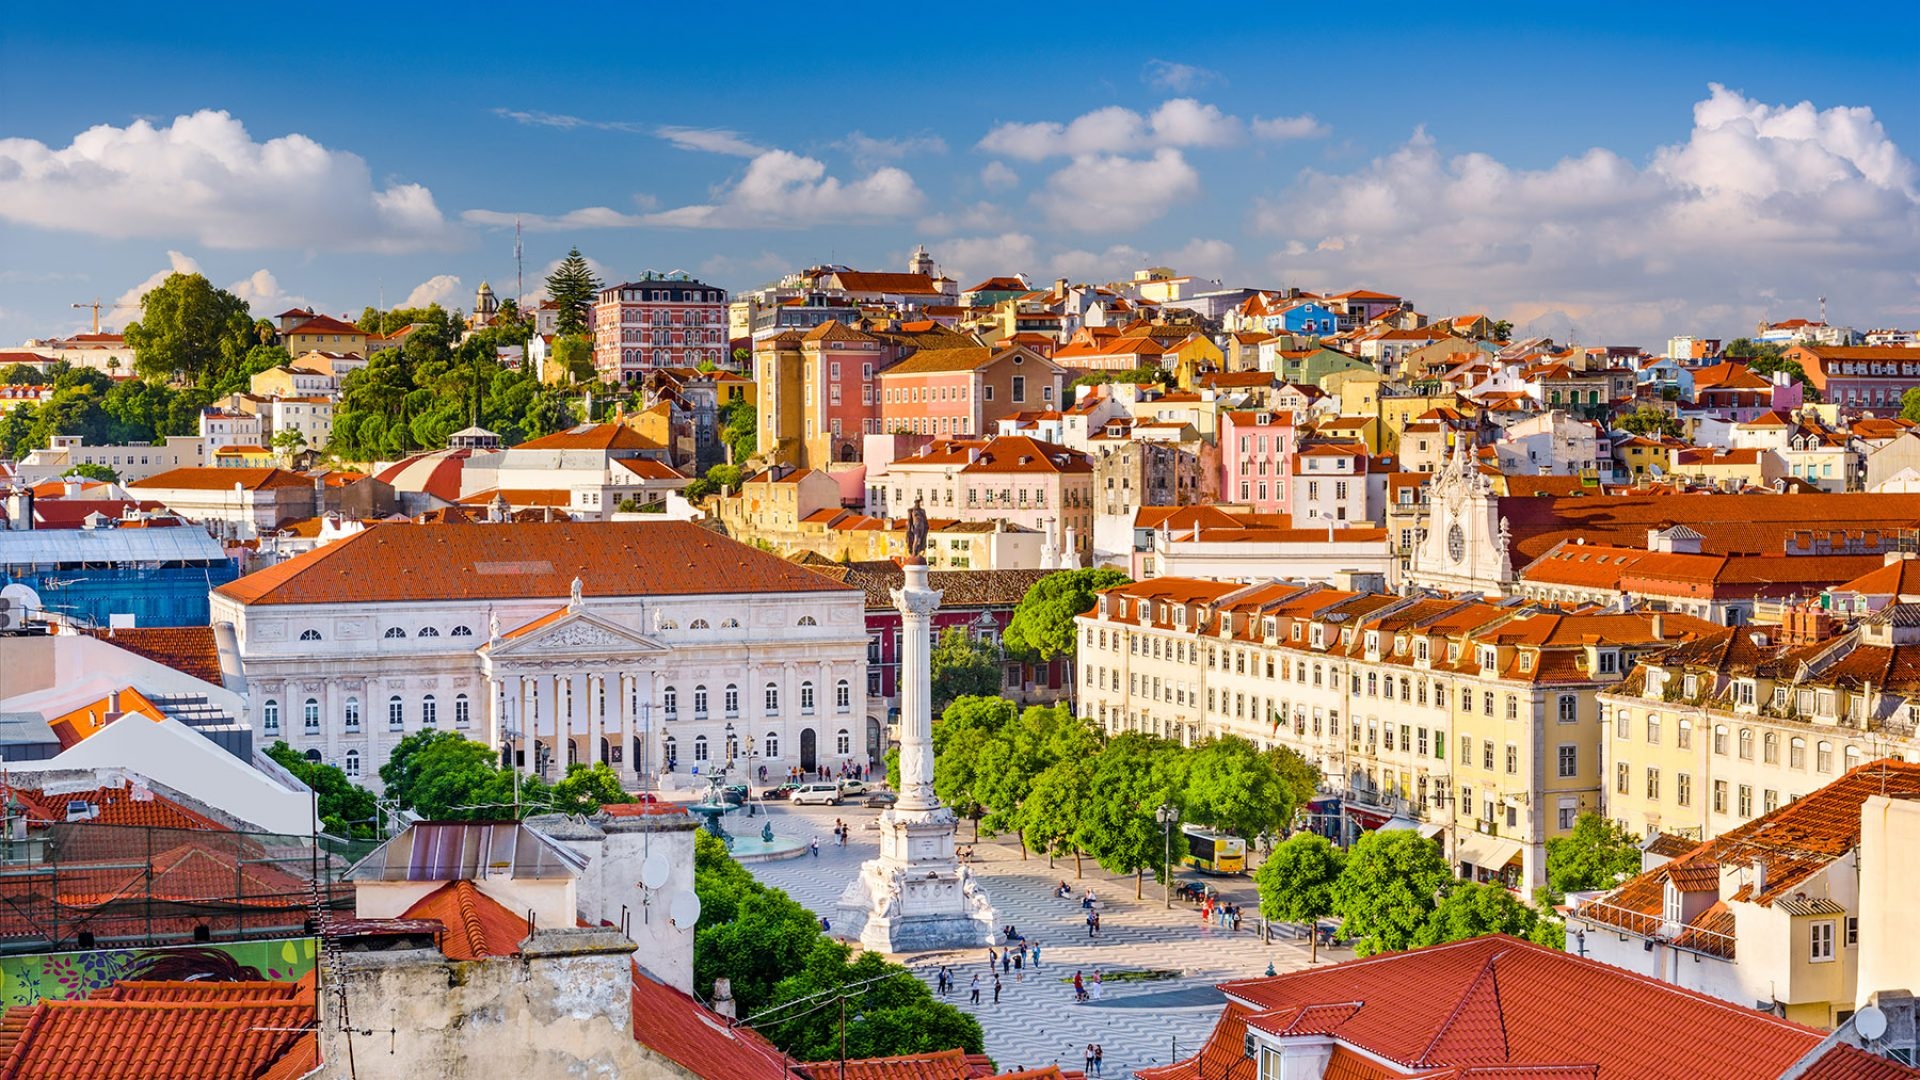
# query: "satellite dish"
{"points": [[1870, 1022], [25, 594], [685, 909], [653, 872]]}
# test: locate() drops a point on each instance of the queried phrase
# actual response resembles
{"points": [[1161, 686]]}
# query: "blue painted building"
{"points": [[159, 576]]}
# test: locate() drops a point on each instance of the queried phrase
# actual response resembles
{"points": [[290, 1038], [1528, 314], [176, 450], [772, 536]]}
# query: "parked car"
{"points": [[880, 800], [816, 794], [853, 788], [734, 794]]}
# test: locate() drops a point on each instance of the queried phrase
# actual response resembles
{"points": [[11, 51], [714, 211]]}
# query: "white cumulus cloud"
{"points": [[260, 289], [976, 258], [442, 289], [997, 176], [1178, 122], [868, 151], [1280, 128], [1177, 77], [782, 189], [1762, 207], [1112, 193], [203, 177]]}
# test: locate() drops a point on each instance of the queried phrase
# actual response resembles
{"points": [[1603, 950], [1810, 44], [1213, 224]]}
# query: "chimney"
{"points": [[71, 488], [1656, 626], [1759, 878], [723, 997]]}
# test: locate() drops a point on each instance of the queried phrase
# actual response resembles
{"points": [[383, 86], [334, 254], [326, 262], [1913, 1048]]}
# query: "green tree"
{"points": [[288, 443], [962, 665], [1388, 888], [1132, 778], [1042, 626], [960, 734], [572, 287], [573, 354], [1296, 882], [90, 470], [742, 430], [727, 476], [1502, 330], [1910, 405], [22, 375], [190, 330], [444, 776], [1018, 754], [1748, 349], [1056, 811], [1230, 784], [1470, 910], [1597, 854], [346, 809], [586, 788], [1300, 777], [1651, 420]]}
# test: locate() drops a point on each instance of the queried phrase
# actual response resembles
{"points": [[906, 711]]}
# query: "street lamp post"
{"points": [[1166, 815]]}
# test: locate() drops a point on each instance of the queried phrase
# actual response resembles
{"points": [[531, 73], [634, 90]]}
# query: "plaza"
{"points": [[1138, 1021]]}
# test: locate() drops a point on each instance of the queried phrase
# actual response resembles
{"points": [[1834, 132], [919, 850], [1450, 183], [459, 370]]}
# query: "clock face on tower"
{"points": [[1456, 542]]}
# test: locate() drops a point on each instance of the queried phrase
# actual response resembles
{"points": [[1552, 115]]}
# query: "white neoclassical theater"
{"points": [[653, 647]]}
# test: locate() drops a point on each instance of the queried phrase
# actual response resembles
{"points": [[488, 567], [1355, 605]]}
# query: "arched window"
{"points": [[773, 745], [429, 711], [1823, 756], [396, 715], [1853, 757], [670, 700], [313, 756], [733, 700], [842, 695], [699, 748], [806, 699], [773, 700], [462, 711], [698, 624], [1746, 744], [1720, 739], [353, 714], [700, 703], [310, 715], [270, 716], [672, 749], [1770, 748], [1797, 752], [843, 743], [729, 624], [427, 631], [808, 620], [394, 632], [353, 763], [309, 635], [461, 631], [669, 624]]}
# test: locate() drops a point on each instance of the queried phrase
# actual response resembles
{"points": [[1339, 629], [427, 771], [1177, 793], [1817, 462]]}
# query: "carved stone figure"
{"points": [[916, 529]]}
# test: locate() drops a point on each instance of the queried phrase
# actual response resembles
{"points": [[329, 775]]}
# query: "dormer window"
{"points": [[1609, 661], [1420, 649], [1319, 636], [1296, 631], [1526, 661], [1489, 658], [1690, 686], [1453, 651]]}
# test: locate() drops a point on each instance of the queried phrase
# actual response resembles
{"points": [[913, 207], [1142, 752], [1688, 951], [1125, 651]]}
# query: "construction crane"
{"points": [[96, 305]]}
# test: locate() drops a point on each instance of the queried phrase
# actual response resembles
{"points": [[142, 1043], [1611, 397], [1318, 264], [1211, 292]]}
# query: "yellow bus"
{"points": [[1214, 853]]}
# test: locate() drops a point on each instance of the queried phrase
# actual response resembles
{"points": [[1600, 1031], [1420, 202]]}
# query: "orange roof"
{"points": [[478, 926], [683, 1031], [1498, 1001], [325, 324], [523, 560], [649, 469], [592, 437], [1900, 577], [939, 1065], [881, 282], [187, 649], [196, 478]]}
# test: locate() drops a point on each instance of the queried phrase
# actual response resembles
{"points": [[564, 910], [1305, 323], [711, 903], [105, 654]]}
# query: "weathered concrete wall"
{"points": [[563, 1009]]}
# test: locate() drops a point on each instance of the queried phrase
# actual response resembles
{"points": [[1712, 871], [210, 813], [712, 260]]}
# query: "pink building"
{"points": [[1256, 448], [842, 400], [655, 322]]}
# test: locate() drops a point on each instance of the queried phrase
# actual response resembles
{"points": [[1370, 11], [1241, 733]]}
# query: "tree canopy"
{"points": [[189, 330], [1230, 784], [445, 776], [1387, 890], [346, 809], [1296, 882], [573, 288], [1595, 855], [962, 666], [1651, 420], [1470, 909], [1042, 626]]}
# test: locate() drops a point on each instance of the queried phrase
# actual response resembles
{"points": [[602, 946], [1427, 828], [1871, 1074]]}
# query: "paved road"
{"points": [[1037, 1022]]}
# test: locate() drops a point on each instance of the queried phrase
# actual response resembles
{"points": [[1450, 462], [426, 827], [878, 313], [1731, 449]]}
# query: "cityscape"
{"points": [[537, 551]]}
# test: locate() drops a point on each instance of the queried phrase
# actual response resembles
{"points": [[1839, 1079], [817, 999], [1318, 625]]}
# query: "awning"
{"points": [[1428, 829], [1490, 853]]}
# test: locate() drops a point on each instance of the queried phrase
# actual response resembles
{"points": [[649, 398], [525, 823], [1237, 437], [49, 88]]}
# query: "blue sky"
{"points": [[1625, 173]]}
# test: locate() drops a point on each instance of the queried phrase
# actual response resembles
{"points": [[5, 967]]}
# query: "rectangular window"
{"points": [[1719, 796], [1622, 777], [1513, 759], [1569, 760], [1653, 783], [1820, 941], [1683, 789], [1746, 800]]}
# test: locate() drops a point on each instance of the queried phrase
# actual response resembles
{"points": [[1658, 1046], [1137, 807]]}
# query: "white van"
{"points": [[821, 794]]}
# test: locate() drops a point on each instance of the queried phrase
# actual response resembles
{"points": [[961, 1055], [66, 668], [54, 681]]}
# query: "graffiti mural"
{"points": [[27, 979]]}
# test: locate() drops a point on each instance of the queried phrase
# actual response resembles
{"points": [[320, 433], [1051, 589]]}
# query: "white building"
{"points": [[639, 645], [134, 461]]}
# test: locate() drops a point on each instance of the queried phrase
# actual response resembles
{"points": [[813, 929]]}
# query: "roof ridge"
{"points": [[1487, 974]]}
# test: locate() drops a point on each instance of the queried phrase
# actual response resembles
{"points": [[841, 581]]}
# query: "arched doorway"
{"points": [[809, 759]]}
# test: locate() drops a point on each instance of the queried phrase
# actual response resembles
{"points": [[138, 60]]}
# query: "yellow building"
{"points": [[1727, 468], [245, 457], [324, 333], [1191, 356], [780, 392]]}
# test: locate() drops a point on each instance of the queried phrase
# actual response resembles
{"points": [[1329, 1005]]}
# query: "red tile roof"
{"points": [[592, 437], [523, 561], [1752, 524], [703, 1042], [953, 1064], [477, 925], [1500, 1004], [178, 1031], [195, 478], [324, 324], [190, 650], [1898, 578]]}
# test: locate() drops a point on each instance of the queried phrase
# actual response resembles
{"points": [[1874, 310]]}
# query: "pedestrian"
{"points": [[992, 958], [1036, 956], [1020, 959], [816, 847], [1092, 923], [1099, 1056], [1006, 960], [1079, 987], [996, 989], [975, 998], [1089, 1057], [1099, 988], [1096, 924]]}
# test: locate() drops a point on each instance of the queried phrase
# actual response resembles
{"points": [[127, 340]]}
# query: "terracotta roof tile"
{"points": [[522, 561], [478, 926], [187, 649], [703, 1042], [592, 437], [195, 478], [239, 1038]]}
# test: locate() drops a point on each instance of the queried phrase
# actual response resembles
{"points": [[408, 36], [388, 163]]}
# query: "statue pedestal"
{"points": [[916, 896]]}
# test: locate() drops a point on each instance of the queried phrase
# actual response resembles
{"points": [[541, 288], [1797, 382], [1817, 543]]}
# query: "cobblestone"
{"points": [[1037, 1022]]}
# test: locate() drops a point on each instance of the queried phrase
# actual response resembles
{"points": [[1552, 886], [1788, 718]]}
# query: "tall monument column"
{"points": [[917, 895]]}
